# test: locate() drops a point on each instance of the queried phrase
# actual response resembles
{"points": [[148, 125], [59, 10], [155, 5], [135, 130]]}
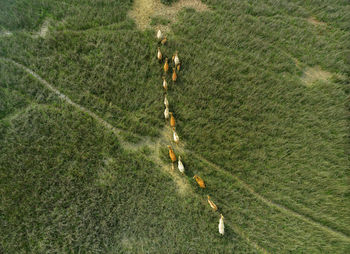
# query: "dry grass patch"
{"points": [[315, 22], [143, 11], [43, 30], [313, 74], [5, 33]]}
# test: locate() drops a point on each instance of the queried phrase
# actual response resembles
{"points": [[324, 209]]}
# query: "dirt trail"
{"points": [[66, 98]]}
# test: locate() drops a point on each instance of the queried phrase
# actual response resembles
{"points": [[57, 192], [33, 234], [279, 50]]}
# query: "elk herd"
{"points": [[162, 40]]}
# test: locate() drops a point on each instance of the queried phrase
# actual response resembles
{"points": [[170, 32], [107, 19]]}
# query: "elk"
{"points": [[180, 165], [175, 136], [166, 65], [164, 41], [212, 204], [166, 102], [199, 181], [166, 113], [172, 154], [165, 84], [176, 59], [159, 35], [172, 120], [159, 55], [178, 67], [174, 76], [221, 225]]}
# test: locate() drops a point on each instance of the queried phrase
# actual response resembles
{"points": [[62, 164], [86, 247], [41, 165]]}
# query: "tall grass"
{"points": [[68, 186], [240, 102], [29, 15]]}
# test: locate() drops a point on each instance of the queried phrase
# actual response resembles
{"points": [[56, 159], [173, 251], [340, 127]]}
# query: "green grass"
{"points": [[168, 2], [159, 21], [68, 185], [274, 132], [22, 14], [75, 184]]}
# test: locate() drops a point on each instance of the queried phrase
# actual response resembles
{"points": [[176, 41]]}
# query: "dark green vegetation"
{"points": [[159, 21], [68, 185], [168, 2]]}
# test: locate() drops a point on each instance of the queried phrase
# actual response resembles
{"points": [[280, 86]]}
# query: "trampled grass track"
{"points": [[148, 142]]}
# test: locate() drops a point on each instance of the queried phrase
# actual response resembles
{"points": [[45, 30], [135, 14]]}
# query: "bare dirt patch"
{"points": [[315, 22], [44, 28], [143, 11], [5, 33], [313, 74]]}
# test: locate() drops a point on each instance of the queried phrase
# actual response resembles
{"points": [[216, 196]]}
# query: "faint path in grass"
{"points": [[9, 117], [108, 27], [64, 97], [241, 233], [276, 205], [155, 146], [42, 32]]}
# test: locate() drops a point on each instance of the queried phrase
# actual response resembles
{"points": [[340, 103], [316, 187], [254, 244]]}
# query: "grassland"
{"points": [[262, 112]]}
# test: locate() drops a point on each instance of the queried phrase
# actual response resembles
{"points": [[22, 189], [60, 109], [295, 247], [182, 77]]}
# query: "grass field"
{"points": [[262, 112]]}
